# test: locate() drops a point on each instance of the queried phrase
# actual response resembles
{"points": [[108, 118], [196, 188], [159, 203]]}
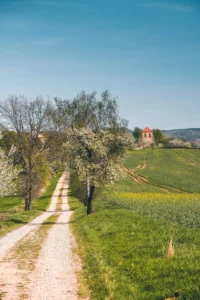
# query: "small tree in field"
{"points": [[7, 173], [137, 133], [158, 136]]}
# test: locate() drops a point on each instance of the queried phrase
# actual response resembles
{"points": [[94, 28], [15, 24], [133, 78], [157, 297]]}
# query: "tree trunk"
{"points": [[30, 194], [87, 192], [88, 187], [89, 200], [30, 203], [29, 183], [26, 203]]}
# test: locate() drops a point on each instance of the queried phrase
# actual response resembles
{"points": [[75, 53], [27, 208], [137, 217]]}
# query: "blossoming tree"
{"points": [[7, 173], [95, 158], [96, 140]]}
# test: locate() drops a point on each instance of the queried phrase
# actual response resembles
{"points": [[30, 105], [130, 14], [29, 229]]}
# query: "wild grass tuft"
{"points": [[171, 250]]}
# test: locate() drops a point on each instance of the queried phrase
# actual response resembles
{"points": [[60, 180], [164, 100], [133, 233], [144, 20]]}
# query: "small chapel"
{"points": [[147, 136]]}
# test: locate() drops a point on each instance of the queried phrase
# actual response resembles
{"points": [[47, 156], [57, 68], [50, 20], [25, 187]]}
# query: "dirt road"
{"points": [[50, 273]]}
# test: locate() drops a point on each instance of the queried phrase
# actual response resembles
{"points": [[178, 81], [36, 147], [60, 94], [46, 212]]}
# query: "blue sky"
{"points": [[145, 52]]}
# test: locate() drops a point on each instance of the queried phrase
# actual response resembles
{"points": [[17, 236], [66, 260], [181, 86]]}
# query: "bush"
{"points": [[78, 189]]}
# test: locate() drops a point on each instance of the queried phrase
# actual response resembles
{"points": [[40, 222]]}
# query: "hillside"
{"points": [[190, 134]]}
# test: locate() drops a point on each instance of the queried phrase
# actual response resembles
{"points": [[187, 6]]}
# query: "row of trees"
{"points": [[86, 133]]}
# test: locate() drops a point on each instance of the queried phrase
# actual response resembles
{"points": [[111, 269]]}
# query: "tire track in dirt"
{"points": [[54, 277]]}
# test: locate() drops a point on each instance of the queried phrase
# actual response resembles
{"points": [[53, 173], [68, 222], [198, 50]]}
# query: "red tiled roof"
{"points": [[147, 129]]}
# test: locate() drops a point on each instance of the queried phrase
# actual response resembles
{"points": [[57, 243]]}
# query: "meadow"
{"points": [[124, 243]]}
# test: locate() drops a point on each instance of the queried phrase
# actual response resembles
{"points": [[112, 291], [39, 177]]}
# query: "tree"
{"points": [[7, 173], [96, 139], [29, 119], [95, 158], [158, 136], [86, 111], [137, 133]]}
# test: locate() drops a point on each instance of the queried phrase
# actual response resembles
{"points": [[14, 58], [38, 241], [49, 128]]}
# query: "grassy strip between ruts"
{"points": [[124, 254], [16, 216], [24, 255]]}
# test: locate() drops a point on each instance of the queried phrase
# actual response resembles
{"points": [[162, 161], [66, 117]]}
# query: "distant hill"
{"points": [[190, 134]]}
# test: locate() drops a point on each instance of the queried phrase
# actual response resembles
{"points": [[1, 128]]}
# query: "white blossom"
{"points": [[7, 173], [95, 157]]}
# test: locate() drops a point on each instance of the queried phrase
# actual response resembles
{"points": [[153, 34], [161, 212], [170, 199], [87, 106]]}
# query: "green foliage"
{"points": [[158, 136], [8, 202], [124, 244], [78, 188], [55, 154], [9, 138], [137, 133], [41, 173]]}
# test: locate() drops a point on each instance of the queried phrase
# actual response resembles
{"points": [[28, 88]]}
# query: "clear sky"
{"points": [[145, 52]]}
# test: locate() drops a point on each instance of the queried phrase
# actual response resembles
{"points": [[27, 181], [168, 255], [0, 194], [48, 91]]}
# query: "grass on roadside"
{"points": [[16, 216], [6, 203]]}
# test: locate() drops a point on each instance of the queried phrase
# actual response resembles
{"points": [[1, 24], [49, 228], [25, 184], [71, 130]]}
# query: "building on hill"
{"points": [[147, 137]]}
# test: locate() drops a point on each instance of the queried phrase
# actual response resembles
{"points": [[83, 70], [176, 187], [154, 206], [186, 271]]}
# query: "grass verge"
{"points": [[14, 217]]}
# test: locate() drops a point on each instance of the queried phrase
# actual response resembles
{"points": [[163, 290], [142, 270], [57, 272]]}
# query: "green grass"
{"points": [[191, 155], [12, 214], [124, 244], [6, 203], [129, 185], [168, 168]]}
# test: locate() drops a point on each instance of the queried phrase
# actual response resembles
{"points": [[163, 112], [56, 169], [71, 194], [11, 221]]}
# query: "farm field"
{"points": [[174, 169], [124, 243], [12, 214]]}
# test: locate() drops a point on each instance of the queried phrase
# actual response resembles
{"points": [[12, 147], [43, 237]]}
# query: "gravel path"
{"points": [[54, 277], [9, 241]]}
